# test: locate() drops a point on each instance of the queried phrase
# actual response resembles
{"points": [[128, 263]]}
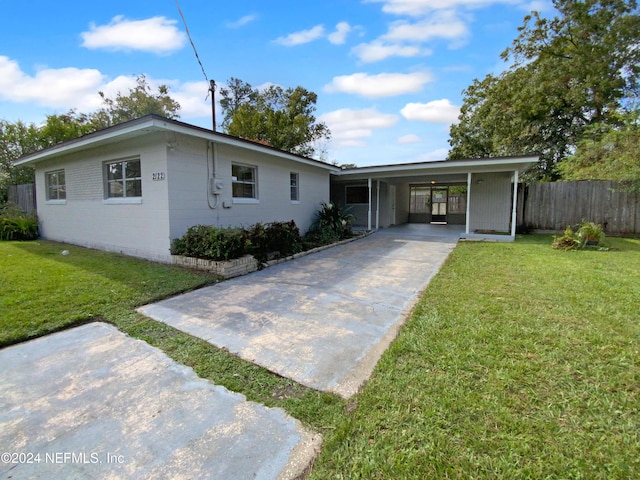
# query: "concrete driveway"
{"points": [[322, 320], [91, 402]]}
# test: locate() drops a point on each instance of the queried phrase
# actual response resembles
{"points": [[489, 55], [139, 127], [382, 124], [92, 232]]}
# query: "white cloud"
{"points": [[301, 37], [55, 88], [66, 88], [242, 21], [350, 127], [381, 85], [339, 37], [420, 7], [378, 50], [157, 34], [446, 25], [192, 97], [437, 111], [439, 154], [411, 138]]}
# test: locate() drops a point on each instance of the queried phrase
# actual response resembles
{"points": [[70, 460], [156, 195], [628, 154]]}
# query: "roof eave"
{"points": [[521, 163], [155, 123]]}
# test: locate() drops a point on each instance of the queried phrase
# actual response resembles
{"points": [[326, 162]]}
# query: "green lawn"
{"points": [[520, 361]]}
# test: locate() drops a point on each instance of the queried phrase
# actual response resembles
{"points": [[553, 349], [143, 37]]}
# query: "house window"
{"points": [[244, 184], [56, 185], [294, 183], [123, 179], [357, 194]]}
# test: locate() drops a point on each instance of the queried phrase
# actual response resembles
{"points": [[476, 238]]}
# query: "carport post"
{"points": [[466, 228], [377, 204], [369, 211], [514, 209]]}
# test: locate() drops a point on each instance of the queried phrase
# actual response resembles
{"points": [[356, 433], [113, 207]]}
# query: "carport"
{"points": [[477, 194]]}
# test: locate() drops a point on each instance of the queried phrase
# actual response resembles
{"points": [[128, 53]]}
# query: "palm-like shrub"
{"points": [[15, 224], [331, 223]]}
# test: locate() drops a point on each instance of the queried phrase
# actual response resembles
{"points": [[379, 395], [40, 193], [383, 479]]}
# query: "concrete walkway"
{"points": [[91, 402], [322, 320]]}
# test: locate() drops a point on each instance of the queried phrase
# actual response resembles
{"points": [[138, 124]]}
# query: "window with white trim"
{"points": [[56, 185], [294, 184], [123, 179], [244, 181]]}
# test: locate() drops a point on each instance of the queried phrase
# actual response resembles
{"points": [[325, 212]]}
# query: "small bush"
{"points": [[588, 234], [15, 224], [275, 239], [211, 243]]}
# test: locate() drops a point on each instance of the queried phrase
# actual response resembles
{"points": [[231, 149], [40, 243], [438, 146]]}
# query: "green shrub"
{"points": [[15, 224], [588, 234], [331, 224], [275, 239], [211, 243]]}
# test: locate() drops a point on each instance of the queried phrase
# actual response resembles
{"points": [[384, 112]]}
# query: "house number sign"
{"points": [[158, 176]]}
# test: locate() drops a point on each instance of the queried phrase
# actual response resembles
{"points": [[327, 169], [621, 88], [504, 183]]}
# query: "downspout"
{"points": [[514, 208], [466, 228], [214, 187], [369, 210]]}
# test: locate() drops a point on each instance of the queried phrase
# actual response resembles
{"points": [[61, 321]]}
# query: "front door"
{"points": [[439, 205], [392, 205]]}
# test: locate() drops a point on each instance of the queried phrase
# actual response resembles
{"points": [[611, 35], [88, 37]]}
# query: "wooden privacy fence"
{"points": [[553, 206], [24, 196]]}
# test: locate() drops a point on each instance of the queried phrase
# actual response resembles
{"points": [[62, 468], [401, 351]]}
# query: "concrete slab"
{"points": [[322, 320], [91, 402]]}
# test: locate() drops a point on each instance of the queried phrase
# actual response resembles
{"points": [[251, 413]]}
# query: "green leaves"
{"points": [[281, 118], [139, 102], [568, 72], [19, 139]]}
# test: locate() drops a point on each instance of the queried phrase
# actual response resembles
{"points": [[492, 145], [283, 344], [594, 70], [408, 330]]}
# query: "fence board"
{"points": [[554, 205], [24, 196]]}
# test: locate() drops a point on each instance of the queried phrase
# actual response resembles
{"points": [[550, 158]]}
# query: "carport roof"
{"points": [[439, 171]]}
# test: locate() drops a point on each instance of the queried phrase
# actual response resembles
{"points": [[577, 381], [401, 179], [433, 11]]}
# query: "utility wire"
{"points": [[191, 41]]}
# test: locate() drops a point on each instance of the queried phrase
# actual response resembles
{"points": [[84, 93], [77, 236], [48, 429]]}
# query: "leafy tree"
{"points": [[281, 118], [569, 72], [60, 128], [16, 139], [608, 152], [238, 93], [139, 102]]}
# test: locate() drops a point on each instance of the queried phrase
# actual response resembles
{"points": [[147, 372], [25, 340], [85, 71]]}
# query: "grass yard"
{"points": [[520, 361]]}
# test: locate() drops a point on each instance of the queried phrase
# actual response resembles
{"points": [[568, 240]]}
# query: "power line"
{"points": [[212, 83], [191, 41]]}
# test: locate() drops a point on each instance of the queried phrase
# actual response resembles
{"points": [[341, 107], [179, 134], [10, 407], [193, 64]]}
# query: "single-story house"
{"points": [[134, 187]]}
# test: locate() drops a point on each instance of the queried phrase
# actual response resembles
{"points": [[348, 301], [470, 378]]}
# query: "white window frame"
{"points": [[60, 187], [294, 187], [124, 199], [254, 183]]}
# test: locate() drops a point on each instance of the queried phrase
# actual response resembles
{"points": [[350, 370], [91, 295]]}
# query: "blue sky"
{"points": [[389, 74]]}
